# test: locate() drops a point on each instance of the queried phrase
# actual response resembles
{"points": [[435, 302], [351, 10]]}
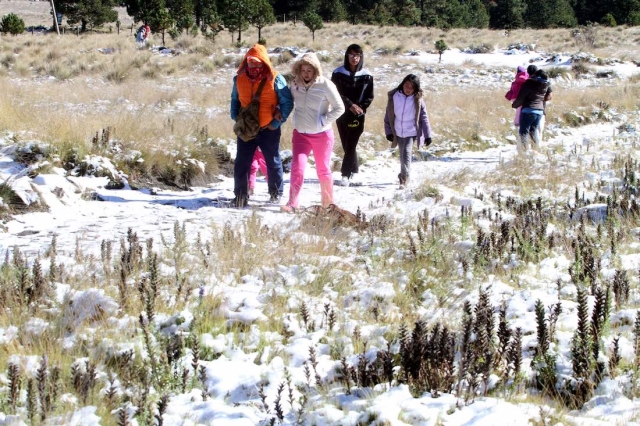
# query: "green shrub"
{"points": [[555, 72], [441, 46], [12, 24], [580, 68], [609, 21]]}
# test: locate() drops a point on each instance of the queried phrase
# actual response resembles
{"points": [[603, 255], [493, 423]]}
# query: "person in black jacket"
{"points": [[355, 85], [532, 97]]}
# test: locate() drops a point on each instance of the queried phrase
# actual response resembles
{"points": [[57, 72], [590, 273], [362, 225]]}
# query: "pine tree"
{"points": [[12, 24], [406, 13], [208, 18], [334, 11], [382, 13], [562, 14], [183, 13], [508, 14], [88, 13], [478, 16], [313, 21], [441, 47], [159, 19], [454, 15], [261, 16], [626, 12], [234, 14]]}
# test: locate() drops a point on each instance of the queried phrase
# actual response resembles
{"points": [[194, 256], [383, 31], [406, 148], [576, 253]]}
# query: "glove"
{"points": [[390, 137], [427, 141]]}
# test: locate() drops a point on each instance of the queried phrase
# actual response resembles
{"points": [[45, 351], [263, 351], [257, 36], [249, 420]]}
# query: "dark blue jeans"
{"points": [[269, 143], [529, 124]]}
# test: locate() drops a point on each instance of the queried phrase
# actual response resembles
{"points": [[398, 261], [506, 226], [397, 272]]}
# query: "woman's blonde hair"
{"points": [[306, 59]]}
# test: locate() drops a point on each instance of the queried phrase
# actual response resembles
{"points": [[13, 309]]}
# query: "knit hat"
{"points": [[521, 68]]}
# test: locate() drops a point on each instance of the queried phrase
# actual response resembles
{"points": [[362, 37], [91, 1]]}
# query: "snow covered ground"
{"points": [[234, 377]]}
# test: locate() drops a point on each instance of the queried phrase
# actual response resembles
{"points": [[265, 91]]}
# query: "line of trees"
{"points": [[237, 16]]}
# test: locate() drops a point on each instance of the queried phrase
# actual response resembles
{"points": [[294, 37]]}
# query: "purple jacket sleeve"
{"points": [[424, 122], [387, 125]]}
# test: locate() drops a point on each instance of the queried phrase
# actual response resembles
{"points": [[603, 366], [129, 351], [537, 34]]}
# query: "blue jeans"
{"points": [[529, 123], [269, 143], [405, 148]]}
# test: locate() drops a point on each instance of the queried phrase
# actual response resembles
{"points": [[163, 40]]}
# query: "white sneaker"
{"points": [[343, 182]]}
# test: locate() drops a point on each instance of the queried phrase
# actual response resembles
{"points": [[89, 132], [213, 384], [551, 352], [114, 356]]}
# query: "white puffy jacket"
{"points": [[316, 106]]}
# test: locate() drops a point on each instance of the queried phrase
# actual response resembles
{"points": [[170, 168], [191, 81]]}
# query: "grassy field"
{"points": [[98, 94], [98, 81]]}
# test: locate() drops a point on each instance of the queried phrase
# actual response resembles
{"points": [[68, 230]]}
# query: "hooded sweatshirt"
{"points": [[521, 77], [275, 93], [354, 87], [317, 103], [533, 93]]}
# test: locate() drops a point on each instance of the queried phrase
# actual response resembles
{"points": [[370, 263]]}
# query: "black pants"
{"points": [[350, 129]]}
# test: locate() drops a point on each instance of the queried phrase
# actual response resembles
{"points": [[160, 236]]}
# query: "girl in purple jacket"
{"points": [[406, 121]]}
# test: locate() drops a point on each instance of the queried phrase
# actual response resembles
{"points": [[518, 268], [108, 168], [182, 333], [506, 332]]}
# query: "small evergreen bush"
{"points": [[441, 46], [12, 24], [609, 21]]}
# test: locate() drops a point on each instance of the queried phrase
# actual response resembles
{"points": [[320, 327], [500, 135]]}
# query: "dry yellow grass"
{"points": [[65, 89]]}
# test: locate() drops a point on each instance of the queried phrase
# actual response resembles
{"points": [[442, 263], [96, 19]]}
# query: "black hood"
{"points": [[347, 65]]}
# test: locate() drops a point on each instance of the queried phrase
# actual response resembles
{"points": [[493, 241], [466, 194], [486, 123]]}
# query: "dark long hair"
{"points": [[415, 82]]}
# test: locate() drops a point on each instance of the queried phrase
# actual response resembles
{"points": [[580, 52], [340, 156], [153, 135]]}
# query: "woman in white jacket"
{"points": [[317, 104]]}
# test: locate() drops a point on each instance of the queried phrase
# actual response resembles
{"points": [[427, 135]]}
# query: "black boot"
{"points": [[240, 201]]}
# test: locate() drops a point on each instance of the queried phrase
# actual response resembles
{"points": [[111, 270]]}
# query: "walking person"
{"points": [[317, 105], [275, 105], [147, 33], [355, 85], [531, 70], [406, 121], [532, 97], [258, 163], [140, 36], [512, 94]]}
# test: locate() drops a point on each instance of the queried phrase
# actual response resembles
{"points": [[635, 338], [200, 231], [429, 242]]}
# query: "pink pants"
{"points": [[516, 120], [322, 146], [257, 163]]}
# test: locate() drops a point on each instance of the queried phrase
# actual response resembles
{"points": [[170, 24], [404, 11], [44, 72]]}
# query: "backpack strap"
{"points": [[260, 86]]}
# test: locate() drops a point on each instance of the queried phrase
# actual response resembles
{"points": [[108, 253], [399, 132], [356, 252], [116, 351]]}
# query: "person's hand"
{"points": [[427, 141], [356, 109], [390, 137], [277, 115]]}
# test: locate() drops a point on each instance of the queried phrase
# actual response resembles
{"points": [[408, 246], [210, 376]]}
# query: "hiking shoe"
{"points": [[275, 199], [343, 182], [240, 201]]}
